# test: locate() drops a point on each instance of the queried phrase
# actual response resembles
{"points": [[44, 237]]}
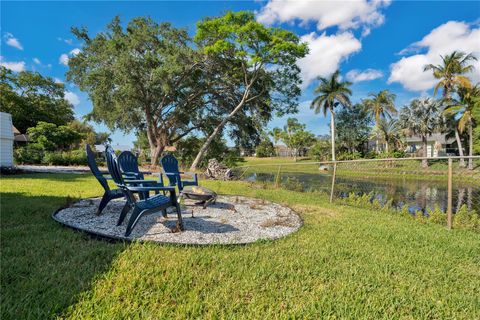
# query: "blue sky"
{"points": [[377, 45]]}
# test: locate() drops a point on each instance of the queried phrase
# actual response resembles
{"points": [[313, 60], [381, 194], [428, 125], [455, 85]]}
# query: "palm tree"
{"points": [[332, 92], [450, 73], [469, 99], [422, 117], [380, 105], [390, 132]]}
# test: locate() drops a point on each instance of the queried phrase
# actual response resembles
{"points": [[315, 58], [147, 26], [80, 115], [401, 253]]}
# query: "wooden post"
{"points": [[277, 178], [449, 203], [333, 181]]}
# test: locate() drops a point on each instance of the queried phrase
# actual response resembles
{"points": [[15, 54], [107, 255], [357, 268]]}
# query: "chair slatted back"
{"points": [[92, 164], [170, 166], [129, 163]]}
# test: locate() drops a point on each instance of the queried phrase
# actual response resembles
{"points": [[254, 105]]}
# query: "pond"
{"points": [[416, 194]]}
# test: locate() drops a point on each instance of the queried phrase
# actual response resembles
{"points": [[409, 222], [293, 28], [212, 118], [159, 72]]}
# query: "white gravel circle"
{"points": [[232, 220]]}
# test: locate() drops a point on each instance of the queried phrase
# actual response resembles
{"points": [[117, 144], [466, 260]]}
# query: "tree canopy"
{"points": [[30, 98], [145, 76]]}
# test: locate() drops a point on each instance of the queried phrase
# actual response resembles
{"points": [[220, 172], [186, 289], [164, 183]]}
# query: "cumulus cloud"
{"points": [[63, 59], [15, 66], [326, 54], [72, 98], [345, 15], [443, 40], [12, 41], [356, 75]]}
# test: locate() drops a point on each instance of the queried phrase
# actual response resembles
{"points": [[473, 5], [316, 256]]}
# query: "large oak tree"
{"points": [[144, 77]]}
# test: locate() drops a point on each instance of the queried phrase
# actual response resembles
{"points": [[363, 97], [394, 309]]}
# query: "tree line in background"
{"points": [[39, 109], [229, 79], [456, 113]]}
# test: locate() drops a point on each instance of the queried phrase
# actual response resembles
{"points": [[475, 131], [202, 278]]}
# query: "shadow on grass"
{"points": [[44, 266]]}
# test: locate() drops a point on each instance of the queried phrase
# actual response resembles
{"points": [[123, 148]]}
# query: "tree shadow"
{"points": [[44, 266]]}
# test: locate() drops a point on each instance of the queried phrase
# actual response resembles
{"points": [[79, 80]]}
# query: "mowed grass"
{"points": [[343, 263]]}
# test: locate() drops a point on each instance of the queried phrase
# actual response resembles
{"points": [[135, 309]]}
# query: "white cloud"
{"points": [[37, 61], [356, 75], [326, 53], [12, 41], [65, 57], [15, 66], [72, 98], [67, 41], [443, 40], [345, 15]]}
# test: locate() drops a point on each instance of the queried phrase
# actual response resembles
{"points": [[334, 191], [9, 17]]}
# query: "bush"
{"points": [[349, 156], [466, 219], [265, 149], [30, 154], [67, 158]]}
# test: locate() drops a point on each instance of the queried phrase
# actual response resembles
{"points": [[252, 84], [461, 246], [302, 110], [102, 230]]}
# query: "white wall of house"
{"points": [[6, 140]]}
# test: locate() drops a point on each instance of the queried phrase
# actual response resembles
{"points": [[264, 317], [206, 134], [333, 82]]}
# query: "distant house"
{"points": [[283, 151], [438, 145]]}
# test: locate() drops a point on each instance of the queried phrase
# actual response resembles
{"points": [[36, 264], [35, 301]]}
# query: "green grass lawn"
{"points": [[344, 262]]}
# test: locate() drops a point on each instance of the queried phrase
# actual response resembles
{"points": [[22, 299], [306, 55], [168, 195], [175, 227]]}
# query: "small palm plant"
{"points": [[332, 92], [389, 132], [422, 117]]}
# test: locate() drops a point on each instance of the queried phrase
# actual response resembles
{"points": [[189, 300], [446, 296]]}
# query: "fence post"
{"points": [[333, 181], [277, 178], [449, 203]]}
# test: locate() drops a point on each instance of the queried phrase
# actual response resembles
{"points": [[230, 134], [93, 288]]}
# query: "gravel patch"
{"points": [[231, 220]]}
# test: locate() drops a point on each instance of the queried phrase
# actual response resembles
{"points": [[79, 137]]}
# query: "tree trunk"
{"points": [[217, 130], [470, 146], [155, 154], [386, 147], [424, 147], [332, 128], [460, 148]]}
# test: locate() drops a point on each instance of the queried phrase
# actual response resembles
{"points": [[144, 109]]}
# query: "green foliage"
{"points": [[320, 150], [30, 98], [349, 156], [188, 148], [295, 136], [66, 158], [437, 216], [32, 153], [152, 81], [466, 219], [252, 70], [352, 128], [380, 105], [265, 149], [51, 138], [476, 130]]}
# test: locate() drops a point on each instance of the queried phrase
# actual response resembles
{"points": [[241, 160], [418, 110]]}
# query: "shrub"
{"points": [[466, 219], [349, 156], [437, 216], [265, 149], [30, 154], [67, 158], [292, 183]]}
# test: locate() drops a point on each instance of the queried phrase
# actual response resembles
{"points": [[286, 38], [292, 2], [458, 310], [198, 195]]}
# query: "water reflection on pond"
{"points": [[417, 194]]}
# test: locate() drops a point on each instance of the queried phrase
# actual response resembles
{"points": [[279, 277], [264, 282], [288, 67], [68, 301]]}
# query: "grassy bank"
{"points": [[386, 170], [344, 263]]}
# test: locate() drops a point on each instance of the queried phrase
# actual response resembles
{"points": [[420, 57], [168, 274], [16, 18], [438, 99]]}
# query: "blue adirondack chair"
{"points": [[109, 194], [170, 168], [152, 204]]}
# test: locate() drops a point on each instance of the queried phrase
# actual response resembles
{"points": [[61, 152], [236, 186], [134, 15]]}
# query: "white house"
{"points": [[438, 145], [6, 140]]}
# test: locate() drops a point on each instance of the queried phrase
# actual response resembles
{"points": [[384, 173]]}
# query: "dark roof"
{"points": [[438, 137]]}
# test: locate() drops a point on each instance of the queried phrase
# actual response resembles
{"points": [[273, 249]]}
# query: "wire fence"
{"points": [[446, 189]]}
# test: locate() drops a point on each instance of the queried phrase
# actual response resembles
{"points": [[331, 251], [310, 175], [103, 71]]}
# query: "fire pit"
{"points": [[203, 195]]}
